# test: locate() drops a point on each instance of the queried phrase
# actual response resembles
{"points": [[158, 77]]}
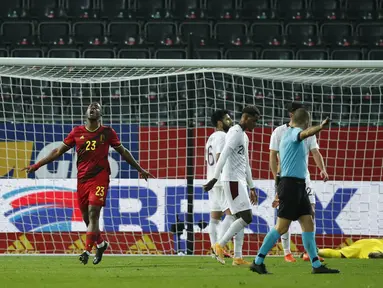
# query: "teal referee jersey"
{"points": [[292, 153]]}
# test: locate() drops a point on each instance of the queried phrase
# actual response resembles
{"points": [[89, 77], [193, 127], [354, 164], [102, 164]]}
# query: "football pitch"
{"points": [[169, 272]]}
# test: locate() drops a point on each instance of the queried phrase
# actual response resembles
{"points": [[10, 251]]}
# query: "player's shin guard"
{"points": [[268, 243], [91, 238], [213, 227], [238, 243], [308, 239], [285, 239]]}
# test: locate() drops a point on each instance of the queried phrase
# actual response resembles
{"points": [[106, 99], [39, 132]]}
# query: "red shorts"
{"points": [[93, 191]]}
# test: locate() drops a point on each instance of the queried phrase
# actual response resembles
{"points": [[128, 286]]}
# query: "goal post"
{"points": [[161, 111]]}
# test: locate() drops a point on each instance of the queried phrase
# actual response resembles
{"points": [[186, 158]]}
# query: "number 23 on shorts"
{"points": [[100, 191]]}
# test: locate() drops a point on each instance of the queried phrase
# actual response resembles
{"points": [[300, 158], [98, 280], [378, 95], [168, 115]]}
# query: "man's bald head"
{"points": [[301, 118]]}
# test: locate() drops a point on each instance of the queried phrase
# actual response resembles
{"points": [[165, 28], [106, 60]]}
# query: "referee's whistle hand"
{"points": [[209, 185]]}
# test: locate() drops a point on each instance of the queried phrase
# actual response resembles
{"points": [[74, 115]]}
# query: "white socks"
{"points": [[238, 243], [285, 239], [213, 227], [229, 219], [234, 228]]}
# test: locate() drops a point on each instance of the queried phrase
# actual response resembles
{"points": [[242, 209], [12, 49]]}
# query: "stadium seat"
{"points": [[155, 9], [256, 9], [80, 9], [99, 53], [241, 53], [170, 53], [278, 53], [375, 54], [221, 9], [45, 9], [198, 29], [4, 52], [225, 32], [187, 9], [370, 32], [86, 30], [312, 54], [14, 31], [51, 31], [27, 52], [157, 31], [140, 53], [347, 54], [64, 53], [326, 9], [111, 9], [301, 32], [292, 9], [334, 33], [264, 32], [12, 9], [360, 9], [207, 53], [120, 31]]}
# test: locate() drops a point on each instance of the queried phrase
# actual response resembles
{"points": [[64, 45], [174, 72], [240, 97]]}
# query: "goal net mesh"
{"points": [[155, 111]]}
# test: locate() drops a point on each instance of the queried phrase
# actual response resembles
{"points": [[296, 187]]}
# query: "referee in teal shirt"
{"points": [[294, 203]]}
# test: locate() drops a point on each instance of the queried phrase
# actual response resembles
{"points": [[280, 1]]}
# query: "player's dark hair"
{"points": [[301, 116], [218, 116], [251, 110], [295, 106]]}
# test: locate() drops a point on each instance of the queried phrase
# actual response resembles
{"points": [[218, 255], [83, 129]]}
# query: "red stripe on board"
{"points": [[350, 154]]}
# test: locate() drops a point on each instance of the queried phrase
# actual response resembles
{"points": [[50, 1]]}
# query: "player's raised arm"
{"points": [[312, 130], [54, 154]]}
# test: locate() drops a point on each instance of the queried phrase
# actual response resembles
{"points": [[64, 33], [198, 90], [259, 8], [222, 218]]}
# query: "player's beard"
{"points": [[226, 128]]}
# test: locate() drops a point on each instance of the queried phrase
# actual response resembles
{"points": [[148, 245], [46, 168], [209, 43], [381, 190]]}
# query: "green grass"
{"points": [[178, 272]]}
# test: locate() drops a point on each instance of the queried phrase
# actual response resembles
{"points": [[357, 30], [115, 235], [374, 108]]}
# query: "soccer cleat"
{"points": [[324, 270], [260, 269], [219, 253], [212, 252], [240, 262], [306, 257], [227, 254], [99, 252], [84, 257], [290, 258]]}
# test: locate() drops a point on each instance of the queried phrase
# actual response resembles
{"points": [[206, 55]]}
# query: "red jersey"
{"points": [[92, 149]]}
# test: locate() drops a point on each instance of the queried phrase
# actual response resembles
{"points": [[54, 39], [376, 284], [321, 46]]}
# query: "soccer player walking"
{"points": [[294, 203], [92, 143], [217, 202], [234, 160]]}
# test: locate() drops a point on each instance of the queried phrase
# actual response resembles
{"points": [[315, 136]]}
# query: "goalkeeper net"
{"points": [[161, 111]]}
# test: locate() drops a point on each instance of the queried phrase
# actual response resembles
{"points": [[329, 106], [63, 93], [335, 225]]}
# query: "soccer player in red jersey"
{"points": [[92, 142]]}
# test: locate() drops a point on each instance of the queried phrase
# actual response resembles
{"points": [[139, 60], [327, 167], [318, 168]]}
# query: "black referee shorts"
{"points": [[293, 199]]}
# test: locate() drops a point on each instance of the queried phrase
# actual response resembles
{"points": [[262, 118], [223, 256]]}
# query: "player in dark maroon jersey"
{"points": [[92, 143]]}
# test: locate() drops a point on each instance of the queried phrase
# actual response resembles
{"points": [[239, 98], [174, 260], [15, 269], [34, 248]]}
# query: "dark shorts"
{"points": [[293, 198]]}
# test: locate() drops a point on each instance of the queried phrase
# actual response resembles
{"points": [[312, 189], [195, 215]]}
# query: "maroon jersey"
{"points": [[92, 149]]}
